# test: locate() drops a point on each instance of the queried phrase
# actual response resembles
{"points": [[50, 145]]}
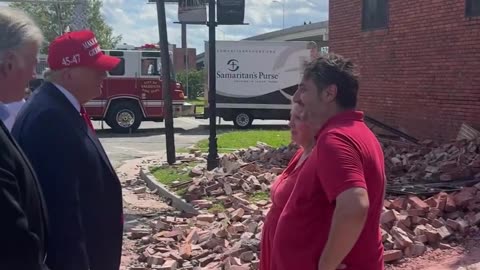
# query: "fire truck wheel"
{"points": [[242, 120], [124, 117]]}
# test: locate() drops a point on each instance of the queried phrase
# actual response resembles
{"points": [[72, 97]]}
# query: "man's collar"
{"points": [[348, 115], [69, 96]]}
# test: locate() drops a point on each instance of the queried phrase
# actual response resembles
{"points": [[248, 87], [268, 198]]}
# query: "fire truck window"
{"points": [[118, 70], [150, 54], [149, 67]]}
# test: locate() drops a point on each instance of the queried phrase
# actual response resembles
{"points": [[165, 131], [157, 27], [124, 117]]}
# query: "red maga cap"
{"points": [[79, 49]]}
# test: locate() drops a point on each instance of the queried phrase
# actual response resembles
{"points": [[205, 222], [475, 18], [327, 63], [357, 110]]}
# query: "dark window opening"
{"points": [[118, 70], [116, 53], [150, 54], [472, 8], [374, 14], [150, 66]]}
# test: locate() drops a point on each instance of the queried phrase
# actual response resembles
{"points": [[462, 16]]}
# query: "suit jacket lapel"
{"points": [[100, 149]]}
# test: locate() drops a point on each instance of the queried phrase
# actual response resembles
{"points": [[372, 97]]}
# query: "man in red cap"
{"points": [[81, 188]]}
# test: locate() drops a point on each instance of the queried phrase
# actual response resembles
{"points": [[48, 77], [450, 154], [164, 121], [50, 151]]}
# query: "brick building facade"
{"points": [[179, 57], [419, 61]]}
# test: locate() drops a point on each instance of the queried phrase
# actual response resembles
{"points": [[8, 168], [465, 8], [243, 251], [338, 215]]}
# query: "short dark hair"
{"points": [[334, 69]]}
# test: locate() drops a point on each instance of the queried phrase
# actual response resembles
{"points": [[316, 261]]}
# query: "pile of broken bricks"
{"points": [[246, 171], [228, 237], [428, 162], [410, 225]]}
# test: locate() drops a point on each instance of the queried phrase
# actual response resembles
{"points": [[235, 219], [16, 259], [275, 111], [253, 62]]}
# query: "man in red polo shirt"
{"points": [[331, 220]]}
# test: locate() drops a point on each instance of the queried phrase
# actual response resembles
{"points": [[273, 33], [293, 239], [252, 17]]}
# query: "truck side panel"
{"points": [[258, 77]]}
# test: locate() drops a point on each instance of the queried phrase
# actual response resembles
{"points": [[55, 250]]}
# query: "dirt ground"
{"points": [[141, 208], [448, 259], [137, 208]]}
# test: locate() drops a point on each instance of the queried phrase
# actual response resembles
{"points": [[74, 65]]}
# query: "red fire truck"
{"points": [[132, 92]]}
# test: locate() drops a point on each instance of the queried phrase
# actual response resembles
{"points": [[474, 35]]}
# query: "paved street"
{"points": [[149, 140]]}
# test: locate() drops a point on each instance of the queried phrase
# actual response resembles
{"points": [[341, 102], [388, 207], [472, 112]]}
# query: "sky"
{"points": [[136, 21]]}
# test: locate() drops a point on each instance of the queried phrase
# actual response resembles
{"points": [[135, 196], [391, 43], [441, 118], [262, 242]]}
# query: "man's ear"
{"points": [[6, 66], [330, 93]]}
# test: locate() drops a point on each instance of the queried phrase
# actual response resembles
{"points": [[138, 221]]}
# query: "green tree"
{"points": [[196, 81], [53, 19]]}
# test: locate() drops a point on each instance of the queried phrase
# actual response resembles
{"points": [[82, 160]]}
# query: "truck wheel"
{"points": [[124, 117], [243, 120]]}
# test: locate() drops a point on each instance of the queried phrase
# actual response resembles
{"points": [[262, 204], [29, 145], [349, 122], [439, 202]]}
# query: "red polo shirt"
{"points": [[347, 155]]}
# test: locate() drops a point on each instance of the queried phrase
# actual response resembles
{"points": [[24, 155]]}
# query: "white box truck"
{"points": [[257, 79]]}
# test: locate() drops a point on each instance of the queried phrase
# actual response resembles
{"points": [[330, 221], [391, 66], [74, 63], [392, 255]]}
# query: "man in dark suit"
{"points": [[23, 222], [81, 188]]}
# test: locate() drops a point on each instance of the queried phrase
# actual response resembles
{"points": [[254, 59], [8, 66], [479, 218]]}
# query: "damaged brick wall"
{"points": [[422, 73]]}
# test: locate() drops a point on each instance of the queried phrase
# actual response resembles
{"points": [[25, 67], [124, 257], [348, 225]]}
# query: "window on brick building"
{"points": [[374, 14], [472, 8]]}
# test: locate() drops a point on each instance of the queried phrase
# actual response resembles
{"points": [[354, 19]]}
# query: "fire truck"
{"points": [[132, 92]]}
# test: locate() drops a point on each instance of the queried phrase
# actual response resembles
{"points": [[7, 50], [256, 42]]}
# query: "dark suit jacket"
{"points": [[23, 217], [82, 190]]}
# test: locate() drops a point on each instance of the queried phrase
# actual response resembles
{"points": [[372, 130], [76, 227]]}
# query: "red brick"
{"points": [[392, 255], [387, 217], [399, 204], [417, 203], [463, 198], [432, 202], [401, 237]]}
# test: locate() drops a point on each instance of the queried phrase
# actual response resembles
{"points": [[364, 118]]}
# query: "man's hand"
{"points": [[348, 221]]}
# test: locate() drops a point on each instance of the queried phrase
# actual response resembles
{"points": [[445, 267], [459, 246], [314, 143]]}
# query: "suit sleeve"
{"points": [[341, 165], [52, 153], [19, 248]]}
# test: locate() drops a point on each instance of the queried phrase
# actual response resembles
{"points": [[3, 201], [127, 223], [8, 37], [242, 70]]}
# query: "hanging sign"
{"points": [[192, 11], [230, 11]]}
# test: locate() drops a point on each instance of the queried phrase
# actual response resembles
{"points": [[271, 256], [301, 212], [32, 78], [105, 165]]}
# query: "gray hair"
{"points": [[17, 29]]}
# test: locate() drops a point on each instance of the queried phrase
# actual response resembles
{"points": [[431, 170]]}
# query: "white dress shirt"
{"points": [[4, 113], [13, 109]]}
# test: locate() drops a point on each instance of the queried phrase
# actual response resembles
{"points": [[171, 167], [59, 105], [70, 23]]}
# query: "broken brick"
{"points": [[155, 260], [206, 217], [186, 251], [401, 237], [392, 255], [387, 217], [399, 204], [417, 203], [432, 202], [463, 198], [169, 265], [202, 204], [238, 214]]}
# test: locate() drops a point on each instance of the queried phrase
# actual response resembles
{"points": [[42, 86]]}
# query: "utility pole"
{"points": [[212, 159], [167, 95]]}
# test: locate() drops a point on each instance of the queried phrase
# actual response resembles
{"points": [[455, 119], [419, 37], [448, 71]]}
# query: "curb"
{"points": [[163, 191]]}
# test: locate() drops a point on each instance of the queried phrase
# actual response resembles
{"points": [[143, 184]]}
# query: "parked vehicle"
{"points": [[257, 79]]}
